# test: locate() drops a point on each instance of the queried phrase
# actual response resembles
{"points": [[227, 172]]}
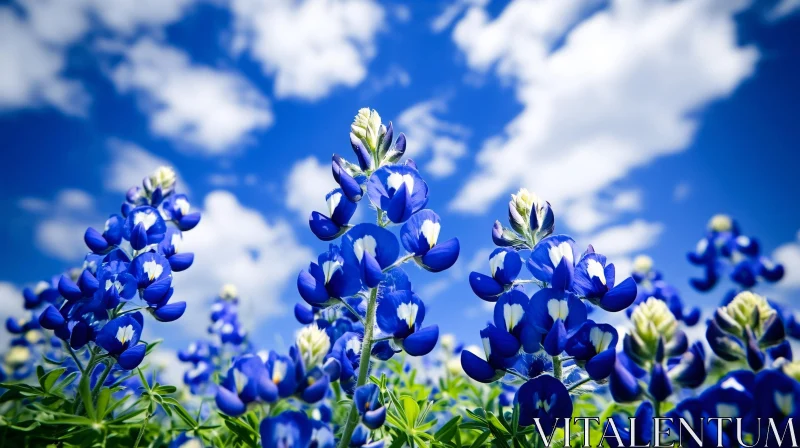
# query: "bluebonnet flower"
{"points": [[494, 365], [176, 209], [544, 398], [42, 293], [594, 349], [367, 400], [170, 247], [504, 267], [360, 439], [558, 315], [531, 220], [293, 429], [745, 327], [594, 280], [372, 249], [724, 248], [120, 338], [400, 315], [101, 243], [247, 381], [144, 226], [641, 434], [225, 317], [340, 210], [333, 277], [346, 351], [650, 283], [420, 237], [655, 347], [397, 190], [184, 440]]}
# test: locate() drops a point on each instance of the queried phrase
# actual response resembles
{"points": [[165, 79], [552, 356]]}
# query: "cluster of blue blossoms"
{"points": [[359, 303], [129, 270], [546, 339]]}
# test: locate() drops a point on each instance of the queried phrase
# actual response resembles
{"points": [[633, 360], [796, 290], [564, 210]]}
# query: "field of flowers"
{"points": [[368, 370]]}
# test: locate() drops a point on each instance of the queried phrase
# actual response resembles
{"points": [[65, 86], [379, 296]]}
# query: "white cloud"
{"points": [[681, 191], [310, 47], [625, 239], [587, 213], [10, 306], [60, 231], [308, 182], [236, 244], [789, 256], [783, 9], [212, 110], [34, 44], [614, 96], [394, 76], [426, 133], [451, 11], [130, 163], [32, 70]]}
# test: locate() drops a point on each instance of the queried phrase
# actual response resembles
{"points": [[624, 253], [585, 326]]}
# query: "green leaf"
{"points": [[448, 430], [481, 438], [102, 403], [49, 379], [411, 409], [165, 390], [69, 379]]}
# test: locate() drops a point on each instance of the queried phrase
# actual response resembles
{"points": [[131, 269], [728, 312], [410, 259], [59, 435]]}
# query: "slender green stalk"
{"points": [[355, 313], [656, 409], [102, 379], [397, 263], [578, 384], [141, 430], [74, 356], [557, 367], [84, 389], [363, 367]]}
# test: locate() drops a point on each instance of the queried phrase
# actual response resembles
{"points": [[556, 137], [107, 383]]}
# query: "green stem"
{"points": [[141, 430], [578, 384], [355, 313], [656, 409], [84, 389], [397, 263], [102, 379], [363, 367], [74, 356], [557, 367]]}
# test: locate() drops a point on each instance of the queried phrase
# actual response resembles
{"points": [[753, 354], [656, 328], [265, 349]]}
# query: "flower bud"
{"points": [[642, 264], [447, 341], [228, 292], [519, 209], [748, 310], [367, 127], [720, 223], [792, 369], [313, 344], [652, 321], [164, 177]]}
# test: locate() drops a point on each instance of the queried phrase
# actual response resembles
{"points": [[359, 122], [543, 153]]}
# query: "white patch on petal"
{"points": [[115, 284], [512, 313], [279, 371], [147, 219], [558, 309], [595, 269], [227, 328], [152, 269], [329, 268], [408, 312], [240, 380], [497, 261], [396, 179], [487, 347], [556, 253], [430, 230], [366, 243], [192, 443], [600, 339], [731, 383], [544, 404], [702, 245], [182, 205], [176, 241], [124, 334], [333, 202], [784, 402], [353, 345]]}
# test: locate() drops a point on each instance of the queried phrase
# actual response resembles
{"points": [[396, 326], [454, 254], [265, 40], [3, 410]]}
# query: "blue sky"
{"points": [[637, 120]]}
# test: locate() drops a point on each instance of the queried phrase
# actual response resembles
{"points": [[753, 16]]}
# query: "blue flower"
{"points": [[641, 434], [594, 349], [494, 366], [398, 190], [115, 282], [143, 226], [340, 210], [120, 338], [288, 429], [594, 280], [185, 441], [281, 371], [43, 292], [349, 177], [153, 275], [420, 236], [545, 398], [623, 383], [372, 249], [504, 266], [547, 255], [513, 329], [367, 400], [400, 315], [170, 247], [557, 314], [346, 351], [100, 243], [332, 278], [176, 209], [247, 381]]}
